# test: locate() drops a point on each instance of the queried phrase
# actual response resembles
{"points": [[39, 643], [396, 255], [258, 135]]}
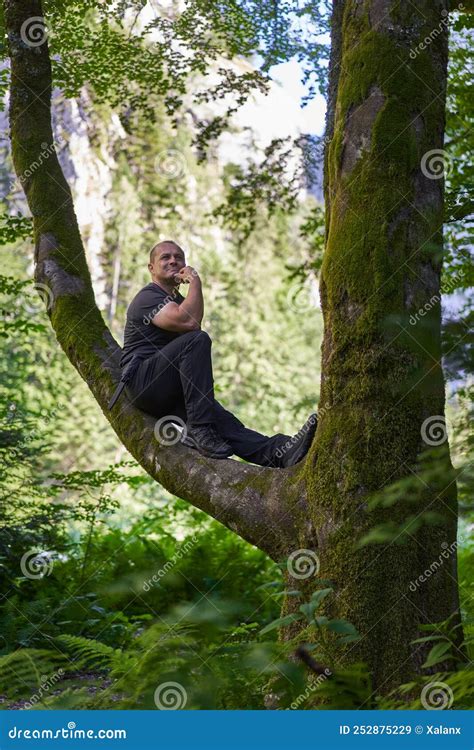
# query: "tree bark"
{"points": [[384, 217], [382, 376]]}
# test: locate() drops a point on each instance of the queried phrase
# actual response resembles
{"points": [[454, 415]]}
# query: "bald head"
{"points": [[163, 246], [166, 260]]}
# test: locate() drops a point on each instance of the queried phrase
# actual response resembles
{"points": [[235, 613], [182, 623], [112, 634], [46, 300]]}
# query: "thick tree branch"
{"points": [[245, 498]]}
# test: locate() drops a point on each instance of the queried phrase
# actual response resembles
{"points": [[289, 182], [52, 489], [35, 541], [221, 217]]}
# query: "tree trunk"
{"points": [[379, 384], [381, 376]]}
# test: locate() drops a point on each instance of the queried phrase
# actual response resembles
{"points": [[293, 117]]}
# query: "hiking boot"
{"points": [[205, 439], [296, 448]]}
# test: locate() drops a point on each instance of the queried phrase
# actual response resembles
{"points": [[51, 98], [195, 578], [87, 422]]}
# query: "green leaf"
{"points": [[281, 622], [308, 609], [437, 654], [320, 594], [348, 639], [343, 627], [287, 593], [429, 638]]}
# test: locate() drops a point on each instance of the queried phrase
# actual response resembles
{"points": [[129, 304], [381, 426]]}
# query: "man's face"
{"points": [[167, 261]]}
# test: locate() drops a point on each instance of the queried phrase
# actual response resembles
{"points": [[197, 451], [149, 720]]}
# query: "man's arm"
{"points": [[188, 315]]}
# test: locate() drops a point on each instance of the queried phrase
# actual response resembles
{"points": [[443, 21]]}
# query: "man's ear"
{"points": [[150, 267]]}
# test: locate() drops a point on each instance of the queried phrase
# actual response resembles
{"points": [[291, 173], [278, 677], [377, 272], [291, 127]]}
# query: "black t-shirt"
{"points": [[141, 336]]}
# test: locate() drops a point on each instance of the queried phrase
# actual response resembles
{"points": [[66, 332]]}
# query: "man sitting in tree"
{"points": [[167, 369]]}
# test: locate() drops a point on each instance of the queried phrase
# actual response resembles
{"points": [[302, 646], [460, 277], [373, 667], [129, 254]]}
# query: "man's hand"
{"points": [[188, 315], [186, 275]]}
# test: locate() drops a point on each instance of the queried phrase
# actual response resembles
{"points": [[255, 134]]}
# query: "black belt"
{"points": [[127, 373]]}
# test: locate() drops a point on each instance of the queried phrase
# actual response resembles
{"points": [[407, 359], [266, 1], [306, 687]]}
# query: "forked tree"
{"points": [[382, 380]]}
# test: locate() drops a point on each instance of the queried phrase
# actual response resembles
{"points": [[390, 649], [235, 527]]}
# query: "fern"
{"points": [[88, 653], [26, 670]]}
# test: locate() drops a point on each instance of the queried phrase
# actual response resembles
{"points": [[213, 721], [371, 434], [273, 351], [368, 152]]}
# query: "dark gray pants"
{"points": [[177, 381]]}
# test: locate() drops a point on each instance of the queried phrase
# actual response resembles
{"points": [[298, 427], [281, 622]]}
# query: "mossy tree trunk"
{"points": [[382, 262], [382, 390]]}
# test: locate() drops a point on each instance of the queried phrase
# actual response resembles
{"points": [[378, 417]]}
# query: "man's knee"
{"points": [[199, 336]]}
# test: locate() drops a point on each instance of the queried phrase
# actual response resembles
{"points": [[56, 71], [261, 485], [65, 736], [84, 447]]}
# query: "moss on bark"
{"points": [[381, 379]]}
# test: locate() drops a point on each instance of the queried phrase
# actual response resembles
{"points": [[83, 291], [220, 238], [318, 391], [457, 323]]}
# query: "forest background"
{"points": [[112, 587]]}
